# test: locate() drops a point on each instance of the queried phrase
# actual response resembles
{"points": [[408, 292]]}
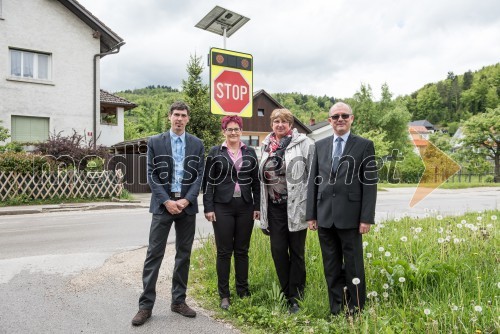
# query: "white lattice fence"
{"points": [[61, 185]]}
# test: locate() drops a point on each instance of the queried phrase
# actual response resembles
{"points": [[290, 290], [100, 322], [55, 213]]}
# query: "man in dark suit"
{"points": [[341, 198], [175, 172]]}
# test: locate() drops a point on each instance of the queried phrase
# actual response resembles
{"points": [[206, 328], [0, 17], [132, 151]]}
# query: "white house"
{"points": [[49, 70], [320, 130]]}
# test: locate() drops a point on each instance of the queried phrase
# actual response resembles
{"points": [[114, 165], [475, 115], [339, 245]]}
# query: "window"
{"points": [[29, 129], [260, 112], [109, 116], [250, 140], [27, 64]]}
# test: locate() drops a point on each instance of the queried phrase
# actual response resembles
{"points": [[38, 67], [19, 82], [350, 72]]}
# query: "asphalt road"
{"points": [[79, 272]]}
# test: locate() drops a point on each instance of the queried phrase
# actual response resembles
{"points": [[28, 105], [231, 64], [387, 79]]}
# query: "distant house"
{"points": [[50, 52], [112, 118], [320, 130], [419, 135], [425, 123]]}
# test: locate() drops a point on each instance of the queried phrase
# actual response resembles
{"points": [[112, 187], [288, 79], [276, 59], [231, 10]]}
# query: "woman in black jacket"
{"points": [[231, 202]]}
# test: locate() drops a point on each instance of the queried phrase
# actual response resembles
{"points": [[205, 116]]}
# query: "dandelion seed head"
{"points": [[440, 230], [386, 286], [355, 281], [402, 279], [463, 221], [365, 244], [418, 230], [456, 241], [381, 249], [454, 307], [404, 239], [385, 295], [369, 255], [439, 217], [427, 311], [493, 217], [478, 308], [397, 219], [440, 240], [498, 285], [387, 254], [479, 218], [459, 225], [374, 293]]}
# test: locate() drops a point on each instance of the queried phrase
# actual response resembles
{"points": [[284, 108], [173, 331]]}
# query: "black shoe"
{"points": [[183, 309], [224, 303], [141, 317], [244, 294], [294, 308]]}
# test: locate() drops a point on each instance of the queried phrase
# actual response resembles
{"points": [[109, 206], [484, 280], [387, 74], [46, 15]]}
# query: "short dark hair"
{"points": [[179, 105]]}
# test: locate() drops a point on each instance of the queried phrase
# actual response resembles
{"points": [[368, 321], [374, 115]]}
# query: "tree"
{"points": [[202, 123], [482, 133], [4, 133]]}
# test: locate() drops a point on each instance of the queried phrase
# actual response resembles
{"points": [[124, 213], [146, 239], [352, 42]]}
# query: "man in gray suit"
{"points": [[341, 198], [175, 172]]}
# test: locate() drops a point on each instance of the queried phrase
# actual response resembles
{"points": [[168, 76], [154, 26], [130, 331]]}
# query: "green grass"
{"points": [[450, 266]]}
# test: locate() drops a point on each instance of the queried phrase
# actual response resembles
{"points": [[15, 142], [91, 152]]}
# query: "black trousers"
{"points": [[287, 249], [342, 252], [185, 226], [233, 231]]}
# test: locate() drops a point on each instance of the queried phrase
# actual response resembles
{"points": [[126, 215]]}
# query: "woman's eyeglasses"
{"points": [[235, 130], [337, 116]]}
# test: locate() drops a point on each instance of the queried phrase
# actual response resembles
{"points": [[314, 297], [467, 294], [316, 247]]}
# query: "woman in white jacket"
{"points": [[286, 154]]}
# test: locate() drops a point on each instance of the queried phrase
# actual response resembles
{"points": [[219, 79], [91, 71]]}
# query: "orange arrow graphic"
{"points": [[439, 167]]}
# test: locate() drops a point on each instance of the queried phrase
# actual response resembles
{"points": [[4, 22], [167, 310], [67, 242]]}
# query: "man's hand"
{"points": [[313, 225], [172, 207], [182, 204], [364, 228], [256, 215], [210, 216]]}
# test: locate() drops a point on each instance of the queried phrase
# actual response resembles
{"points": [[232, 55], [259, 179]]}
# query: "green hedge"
{"points": [[22, 162]]}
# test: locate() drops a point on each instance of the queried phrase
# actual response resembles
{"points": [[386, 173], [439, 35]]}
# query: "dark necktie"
{"points": [[337, 154]]}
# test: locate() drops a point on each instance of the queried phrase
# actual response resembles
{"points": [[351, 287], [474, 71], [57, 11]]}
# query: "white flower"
{"points": [[427, 311], [489, 226], [439, 217], [383, 271], [456, 241], [463, 221], [479, 218], [478, 308], [459, 225], [365, 243], [374, 293], [404, 239], [418, 230], [402, 279], [498, 285], [415, 237], [447, 239], [381, 249], [387, 254], [368, 255], [454, 307], [397, 219], [493, 217], [355, 281], [427, 215], [386, 286], [440, 240], [440, 230], [385, 294], [376, 229]]}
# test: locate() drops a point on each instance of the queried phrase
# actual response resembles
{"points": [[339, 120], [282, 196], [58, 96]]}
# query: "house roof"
{"points": [[418, 129], [296, 120], [422, 122], [318, 125], [108, 98], [109, 39]]}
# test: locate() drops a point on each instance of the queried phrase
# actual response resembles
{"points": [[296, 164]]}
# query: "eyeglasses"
{"points": [[337, 116], [235, 130]]}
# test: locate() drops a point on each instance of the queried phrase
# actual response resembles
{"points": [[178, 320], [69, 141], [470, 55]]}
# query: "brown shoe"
{"points": [[183, 309], [141, 317]]}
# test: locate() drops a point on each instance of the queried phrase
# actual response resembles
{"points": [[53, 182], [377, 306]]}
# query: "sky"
{"points": [[319, 47]]}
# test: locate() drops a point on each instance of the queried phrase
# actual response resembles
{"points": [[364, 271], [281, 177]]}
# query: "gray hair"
{"points": [[341, 106]]}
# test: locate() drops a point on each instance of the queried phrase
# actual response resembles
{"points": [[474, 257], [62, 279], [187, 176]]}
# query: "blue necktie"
{"points": [[337, 154]]}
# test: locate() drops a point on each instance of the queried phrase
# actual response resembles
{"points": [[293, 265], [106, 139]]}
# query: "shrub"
{"points": [[22, 162], [70, 152]]}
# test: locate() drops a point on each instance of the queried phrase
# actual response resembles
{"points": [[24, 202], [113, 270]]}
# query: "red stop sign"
{"points": [[231, 91]]}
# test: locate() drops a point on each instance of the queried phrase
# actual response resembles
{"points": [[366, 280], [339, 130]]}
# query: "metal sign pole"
{"points": [[224, 33]]}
